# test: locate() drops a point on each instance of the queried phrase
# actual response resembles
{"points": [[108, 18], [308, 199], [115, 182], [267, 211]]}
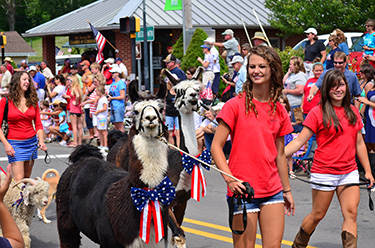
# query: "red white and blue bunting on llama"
{"points": [[147, 201], [197, 180]]}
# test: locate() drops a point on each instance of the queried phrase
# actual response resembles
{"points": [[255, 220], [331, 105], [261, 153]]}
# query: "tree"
{"points": [[178, 48], [295, 16], [194, 50]]}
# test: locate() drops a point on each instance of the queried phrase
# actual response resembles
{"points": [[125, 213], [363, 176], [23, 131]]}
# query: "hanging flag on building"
{"points": [[58, 51], [173, 5], [100, 41]]}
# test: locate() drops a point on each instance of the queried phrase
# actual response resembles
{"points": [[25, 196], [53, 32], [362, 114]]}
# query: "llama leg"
{"points": [[178, 235], [179, 212]]}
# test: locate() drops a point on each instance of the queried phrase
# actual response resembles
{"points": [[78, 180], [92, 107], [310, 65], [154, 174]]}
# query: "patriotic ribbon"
{"points": [[147, 201], [19, 201], [197, 180]]}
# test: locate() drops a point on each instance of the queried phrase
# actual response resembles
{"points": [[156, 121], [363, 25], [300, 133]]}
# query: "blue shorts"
{"points": [[254, 206], [171, 122], [117, 115], [25, 150]]}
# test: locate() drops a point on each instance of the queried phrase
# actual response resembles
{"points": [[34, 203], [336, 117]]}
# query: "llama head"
{"points": [[148, 111], [187, 95]]}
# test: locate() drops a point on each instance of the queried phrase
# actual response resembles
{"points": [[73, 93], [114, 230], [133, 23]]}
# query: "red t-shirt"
{"points": [[253, 155], [20, 124], [336, 151], [307, 106]]}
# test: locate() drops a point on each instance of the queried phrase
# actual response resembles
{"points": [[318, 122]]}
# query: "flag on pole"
{"points": [[173, 5], [100, 41], [58, 51]]}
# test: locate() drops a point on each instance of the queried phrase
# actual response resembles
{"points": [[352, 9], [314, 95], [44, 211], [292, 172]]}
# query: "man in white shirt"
{"points": [[47, 73], [5, 79], [216, 69], [123, 68]]}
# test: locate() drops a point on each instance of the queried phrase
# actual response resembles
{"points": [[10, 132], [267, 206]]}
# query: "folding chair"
{"points": [[304, 161]]}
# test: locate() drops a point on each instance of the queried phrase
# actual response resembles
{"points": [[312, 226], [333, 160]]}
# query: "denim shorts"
{"points": [[334, 180], [117, 115], [171, 122], [254, 206]]}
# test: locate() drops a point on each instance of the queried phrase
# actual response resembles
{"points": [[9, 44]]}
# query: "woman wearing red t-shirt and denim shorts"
{"points": [[337, 126], [257, 123]]}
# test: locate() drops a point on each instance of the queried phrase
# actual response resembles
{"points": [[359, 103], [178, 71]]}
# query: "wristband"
{"points": [[286, 191]]}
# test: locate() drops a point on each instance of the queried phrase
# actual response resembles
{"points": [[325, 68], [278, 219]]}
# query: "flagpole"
{"points": [[108, 42], [261, 27]]}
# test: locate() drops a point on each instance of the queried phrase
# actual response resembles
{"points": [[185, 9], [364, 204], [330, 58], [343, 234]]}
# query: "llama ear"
{"points": [[162, 90], [169, 75], [133, 91], [26, 194], [198, 73]]}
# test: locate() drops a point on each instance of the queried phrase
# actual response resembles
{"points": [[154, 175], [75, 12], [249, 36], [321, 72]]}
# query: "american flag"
{"points": [[100, 41], [207, 92], [58, 51]]}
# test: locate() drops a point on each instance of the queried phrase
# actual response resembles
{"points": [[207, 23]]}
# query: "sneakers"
{"points": [[48, 140], [63, 143], [292, 175]]}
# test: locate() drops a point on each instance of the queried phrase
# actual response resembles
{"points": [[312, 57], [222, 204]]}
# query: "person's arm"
{"points": [[363, 158], [303, 98], [101, 110], [296, 92], [209, 129], [217, 145], [298, 142], [314, 89], [51, 94], [7, 223], [219, 44], [282, 168], [120, 97], [287, 75], [324, 56], [204, 63]]}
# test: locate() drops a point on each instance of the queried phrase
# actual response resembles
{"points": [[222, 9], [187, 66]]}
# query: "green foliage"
{"points": [[194, 50], [178, 48], [295, 16], [286, 54], [75, 50], [223, 69]]}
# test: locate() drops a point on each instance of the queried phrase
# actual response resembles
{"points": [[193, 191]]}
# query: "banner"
{"points": [[173, 5]]}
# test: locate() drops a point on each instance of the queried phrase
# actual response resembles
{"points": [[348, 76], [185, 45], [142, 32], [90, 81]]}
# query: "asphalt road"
{"points": [[206, 222]]}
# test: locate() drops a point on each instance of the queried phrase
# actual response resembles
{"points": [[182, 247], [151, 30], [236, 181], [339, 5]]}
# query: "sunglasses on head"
{"points": [[338, 62]]}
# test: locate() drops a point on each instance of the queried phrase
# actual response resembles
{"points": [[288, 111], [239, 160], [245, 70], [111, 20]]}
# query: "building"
{"points": [[104, 15], [17, 48]]}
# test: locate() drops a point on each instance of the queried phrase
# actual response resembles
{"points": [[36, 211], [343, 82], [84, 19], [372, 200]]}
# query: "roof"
{"points": [[106, 14], [17, 46]]}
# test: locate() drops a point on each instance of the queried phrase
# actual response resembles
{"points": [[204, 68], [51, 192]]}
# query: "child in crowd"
{"points": [[101, 114], [337, 126], [288, 137], [46, 121], [61, 126]]}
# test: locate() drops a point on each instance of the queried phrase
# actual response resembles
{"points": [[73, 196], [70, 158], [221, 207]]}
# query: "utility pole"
{"points": [[186, 20], [146, 70]]}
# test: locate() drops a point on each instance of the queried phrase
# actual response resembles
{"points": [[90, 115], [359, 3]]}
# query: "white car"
{"points": [[74, 59], [351, 38]]}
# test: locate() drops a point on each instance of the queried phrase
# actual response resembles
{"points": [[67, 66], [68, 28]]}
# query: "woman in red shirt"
{"points": [[337, 126], [306, 105], [22, 141]]}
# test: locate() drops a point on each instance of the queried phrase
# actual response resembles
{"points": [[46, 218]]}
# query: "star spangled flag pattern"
{"points": [[207, 92], [100, 41], [58, 51]]}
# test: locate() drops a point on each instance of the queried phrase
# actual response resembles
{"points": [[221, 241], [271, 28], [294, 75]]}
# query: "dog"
{"points": [[53, 181]]}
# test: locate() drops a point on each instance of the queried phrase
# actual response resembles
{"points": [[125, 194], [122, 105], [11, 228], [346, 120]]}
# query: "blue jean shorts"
{"points": [[254, 206], [171, 122], [117, 115]]}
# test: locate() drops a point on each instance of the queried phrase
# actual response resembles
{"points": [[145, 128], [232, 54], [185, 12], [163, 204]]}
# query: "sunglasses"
{"points": [[369, 26], [188, 73], [244, 49], [330, 40], [337, 62]]}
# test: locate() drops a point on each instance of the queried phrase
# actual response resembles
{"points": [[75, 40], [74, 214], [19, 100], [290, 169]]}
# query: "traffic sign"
{"points": [[138, 51], [150, 34]]}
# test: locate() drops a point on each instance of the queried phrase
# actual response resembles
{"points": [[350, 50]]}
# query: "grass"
{"points": [[36, 44]]}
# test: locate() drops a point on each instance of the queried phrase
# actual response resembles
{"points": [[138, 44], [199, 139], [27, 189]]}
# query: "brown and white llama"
{"points": [[104, 202]]}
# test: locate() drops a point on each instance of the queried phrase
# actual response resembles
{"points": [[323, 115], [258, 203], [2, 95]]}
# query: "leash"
{"points": [[371, 203], [247, 196], [47, 157]]}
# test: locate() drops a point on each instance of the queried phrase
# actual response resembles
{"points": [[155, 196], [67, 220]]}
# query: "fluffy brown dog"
{"points": [[53, 181]]}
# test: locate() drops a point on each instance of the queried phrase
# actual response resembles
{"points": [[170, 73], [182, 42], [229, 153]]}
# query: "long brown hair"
{"points": [[270, 55], [331, 80], [15, 90]]}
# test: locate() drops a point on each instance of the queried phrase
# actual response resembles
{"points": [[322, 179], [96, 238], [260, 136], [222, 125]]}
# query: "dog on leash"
{"points": [[53, 181]]}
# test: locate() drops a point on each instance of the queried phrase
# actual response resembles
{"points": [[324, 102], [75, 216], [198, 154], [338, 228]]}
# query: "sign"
{"points": [[156, 62], [138, 51], [76, 39], [150, 34]]}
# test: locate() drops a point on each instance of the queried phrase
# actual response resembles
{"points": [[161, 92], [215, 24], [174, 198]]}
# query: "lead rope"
{"points": [[241, 198]]}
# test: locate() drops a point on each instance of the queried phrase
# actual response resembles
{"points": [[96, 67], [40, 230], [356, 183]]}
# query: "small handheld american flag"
{"points": [[207, 92]]}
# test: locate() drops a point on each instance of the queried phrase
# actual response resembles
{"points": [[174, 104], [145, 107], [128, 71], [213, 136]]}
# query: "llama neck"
{"points": [[187, 130], [154, 157]]}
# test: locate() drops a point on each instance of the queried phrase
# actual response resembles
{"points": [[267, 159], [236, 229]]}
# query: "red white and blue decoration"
{"points": [[197, 180], [207, 92], [100, 41], [147, 201]]}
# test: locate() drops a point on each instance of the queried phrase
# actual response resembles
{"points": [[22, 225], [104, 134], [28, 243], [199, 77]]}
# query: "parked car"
{"points": [[74, 59], [351, 38], [356, 55]]}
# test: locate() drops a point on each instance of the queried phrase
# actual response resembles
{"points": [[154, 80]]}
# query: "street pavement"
{"points": [[206, 222]]}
